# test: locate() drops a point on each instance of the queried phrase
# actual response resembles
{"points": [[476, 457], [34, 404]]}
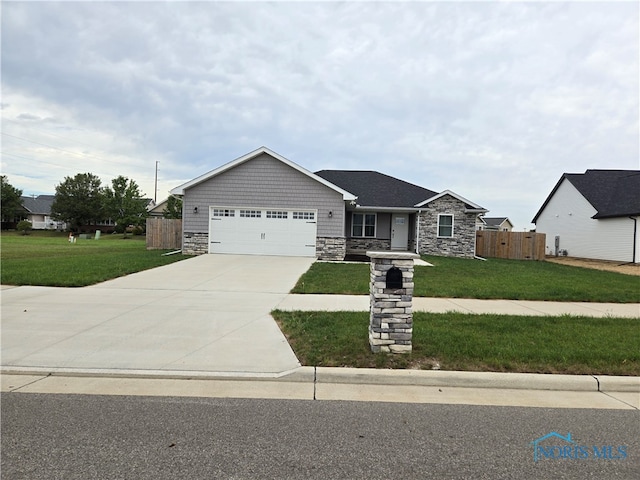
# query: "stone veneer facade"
{"points": [[194, 243], [361, 245], [331, 248], [391, 313], [463, 242]]}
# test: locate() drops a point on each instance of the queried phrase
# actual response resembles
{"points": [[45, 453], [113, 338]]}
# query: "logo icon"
{"points": [[566, 448]]}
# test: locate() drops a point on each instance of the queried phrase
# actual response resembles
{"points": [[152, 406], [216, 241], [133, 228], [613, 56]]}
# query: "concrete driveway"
{"points": [[206, 314]]}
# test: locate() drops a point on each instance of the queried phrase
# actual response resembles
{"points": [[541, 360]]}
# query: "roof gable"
{"points": [[468, 203], [375, 189], [251, 155], [613, 193], [39, 205], [496, 221]]}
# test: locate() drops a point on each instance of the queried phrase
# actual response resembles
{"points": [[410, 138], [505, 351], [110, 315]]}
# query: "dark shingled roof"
{"points": [[39, 205], [613, 193], [494, 221], [375, 189]]}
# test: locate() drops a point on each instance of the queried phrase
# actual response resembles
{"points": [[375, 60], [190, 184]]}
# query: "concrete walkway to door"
{"points": [[205, 314]]}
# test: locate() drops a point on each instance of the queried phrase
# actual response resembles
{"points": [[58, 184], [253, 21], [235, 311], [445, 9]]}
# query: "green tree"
{"points": [[124, 203], [173, 208], [79, 201], [10, 199]]}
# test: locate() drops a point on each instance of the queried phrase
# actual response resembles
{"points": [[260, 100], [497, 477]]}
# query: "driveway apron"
{"points": [[205, 314]]}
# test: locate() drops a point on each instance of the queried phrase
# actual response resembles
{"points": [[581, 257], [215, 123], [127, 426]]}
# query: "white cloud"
{"points": [[492, 100]]}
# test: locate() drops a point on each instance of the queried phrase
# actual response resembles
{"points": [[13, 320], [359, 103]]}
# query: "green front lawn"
{"points": [[494, 278], [456, 341], [47, 258]]}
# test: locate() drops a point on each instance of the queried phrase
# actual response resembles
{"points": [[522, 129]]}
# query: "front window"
{"points": [[445, 225], [363, 225]]}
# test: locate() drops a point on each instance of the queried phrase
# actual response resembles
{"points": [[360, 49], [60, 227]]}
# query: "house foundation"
{"points": [[391, 293]]}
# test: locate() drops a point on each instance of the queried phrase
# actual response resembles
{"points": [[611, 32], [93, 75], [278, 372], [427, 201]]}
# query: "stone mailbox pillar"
{"points": [[391, 314]]}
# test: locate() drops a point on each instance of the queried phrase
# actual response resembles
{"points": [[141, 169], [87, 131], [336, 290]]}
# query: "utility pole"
{"points": [[155, 190]]}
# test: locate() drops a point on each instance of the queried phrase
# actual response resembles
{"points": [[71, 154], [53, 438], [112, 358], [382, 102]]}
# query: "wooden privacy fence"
{"points": [[511, 245], [164, 233]]}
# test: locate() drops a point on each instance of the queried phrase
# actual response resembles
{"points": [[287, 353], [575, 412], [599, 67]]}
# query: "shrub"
{"points": [[24, 226]]}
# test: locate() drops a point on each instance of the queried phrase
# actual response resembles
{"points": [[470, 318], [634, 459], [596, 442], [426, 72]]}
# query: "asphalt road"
{"points": [[112, 437]]}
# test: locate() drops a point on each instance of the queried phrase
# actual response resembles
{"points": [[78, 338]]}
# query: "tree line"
{"points": [[82, 200]]}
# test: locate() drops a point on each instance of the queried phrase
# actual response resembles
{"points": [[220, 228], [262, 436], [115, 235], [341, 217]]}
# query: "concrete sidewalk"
{"points": [[357, 303]]}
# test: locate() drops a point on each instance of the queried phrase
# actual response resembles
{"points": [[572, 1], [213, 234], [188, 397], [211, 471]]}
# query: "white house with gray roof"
{"points": [[593, 215], [263, 203], [37, 210]]}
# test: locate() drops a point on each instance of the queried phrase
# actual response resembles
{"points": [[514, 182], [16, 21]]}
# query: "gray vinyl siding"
{"points": [[268, 183]]}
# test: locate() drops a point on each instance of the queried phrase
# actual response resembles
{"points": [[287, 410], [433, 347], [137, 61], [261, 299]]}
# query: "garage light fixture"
{"points": [[330, 214], [195, 209]]}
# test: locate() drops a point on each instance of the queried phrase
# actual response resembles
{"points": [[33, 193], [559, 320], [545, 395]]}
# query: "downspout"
{"points": [[418, 232], [635, 237]]}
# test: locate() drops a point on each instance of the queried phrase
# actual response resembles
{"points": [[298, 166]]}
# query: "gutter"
{"points": [[387, 209]]}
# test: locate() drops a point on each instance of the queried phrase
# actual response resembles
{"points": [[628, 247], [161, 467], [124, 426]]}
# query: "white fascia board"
{"points": [[475, 206], [347, 196]]}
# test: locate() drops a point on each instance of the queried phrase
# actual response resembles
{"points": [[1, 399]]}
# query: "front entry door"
{"points": [[400, 231]]}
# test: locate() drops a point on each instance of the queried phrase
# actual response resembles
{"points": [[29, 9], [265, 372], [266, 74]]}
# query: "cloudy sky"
{"points": [[491, 100]]}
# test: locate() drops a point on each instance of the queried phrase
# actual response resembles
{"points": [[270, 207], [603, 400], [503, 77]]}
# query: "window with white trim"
{"points": [[363, 225], [251, 213], [223, 212], [276, 214], [304, 215], [445, 225]]}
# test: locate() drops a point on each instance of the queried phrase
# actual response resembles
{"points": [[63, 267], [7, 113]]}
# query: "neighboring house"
{"points": [[262, 203], [593, 215], [502, 224], [37, 210], [157, 210]]}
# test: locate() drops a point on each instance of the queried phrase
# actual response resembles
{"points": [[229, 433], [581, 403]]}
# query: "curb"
{"points": [[499, 380], [370, 376]]}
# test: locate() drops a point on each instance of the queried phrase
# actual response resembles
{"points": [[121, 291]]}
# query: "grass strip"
{"points": [[491, 279], [456, 341], [50, 260]]}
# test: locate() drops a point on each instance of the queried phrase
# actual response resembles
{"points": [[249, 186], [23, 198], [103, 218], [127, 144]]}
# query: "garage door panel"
{"points": [[251, 230]]}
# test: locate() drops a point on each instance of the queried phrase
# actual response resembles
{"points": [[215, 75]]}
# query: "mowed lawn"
{"points": [[47, 258], [490, 279], [457, 341]]}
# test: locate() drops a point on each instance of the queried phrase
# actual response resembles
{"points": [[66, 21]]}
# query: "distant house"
{"points": [[157, 209], [593, 215], [502, 224], [263, 203], [37, 210]]}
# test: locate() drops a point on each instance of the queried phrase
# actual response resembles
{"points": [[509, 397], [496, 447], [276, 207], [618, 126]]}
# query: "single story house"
{"points": [[157, 210], [263, 203], [501, 224], [37, 210], [593, 215]]}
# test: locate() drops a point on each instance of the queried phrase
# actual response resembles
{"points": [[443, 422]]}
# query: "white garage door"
{"points": [[262, 231]]}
